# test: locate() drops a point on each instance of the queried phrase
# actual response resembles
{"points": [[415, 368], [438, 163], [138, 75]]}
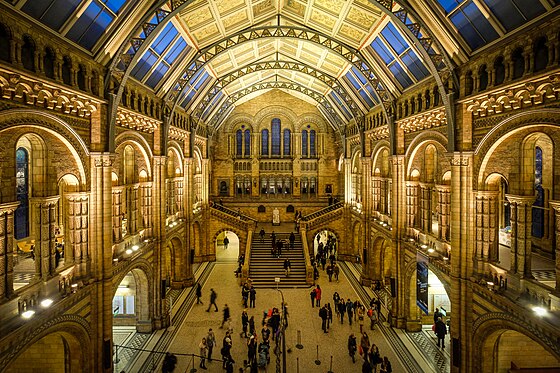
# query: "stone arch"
{"points": [[54, 126], [381, 160], [431, 137], [310, 118], [240, 237], [73, 329], [197, 239], [238, 119], [144, 291], [376, 260], [357, 242], [276, 110], [174, 258], [409, 292], [488, 328], [313, 234], [174, 161], [138, 142], [544, 118]]}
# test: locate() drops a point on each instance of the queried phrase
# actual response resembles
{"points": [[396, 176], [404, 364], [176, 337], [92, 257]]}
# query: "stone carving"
{"points": [[275, 216]]}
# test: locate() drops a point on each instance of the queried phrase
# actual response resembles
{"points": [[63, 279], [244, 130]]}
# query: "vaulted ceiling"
{"points": [[344, 56]]}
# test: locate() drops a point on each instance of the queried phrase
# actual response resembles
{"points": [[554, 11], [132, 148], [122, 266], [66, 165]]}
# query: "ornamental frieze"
{"points": [[425, 120], [524, 95], [130, 119], [28, 91]]}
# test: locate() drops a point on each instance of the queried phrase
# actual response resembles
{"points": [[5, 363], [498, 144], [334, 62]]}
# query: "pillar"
{"points": [[7, 249], [521, 222], [77, 233], [146, 208], [366, 275], [426, 211], [161, 310], [117, 214], [556, 206], [444, 205], [45, 223], [412, 204], [486, 229]]}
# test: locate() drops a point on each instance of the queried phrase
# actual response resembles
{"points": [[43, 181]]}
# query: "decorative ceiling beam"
{"points": [[231, 77]]}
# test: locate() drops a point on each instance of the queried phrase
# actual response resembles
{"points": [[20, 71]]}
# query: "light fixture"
{"points": [[411, 239], [424, 246], [123, 286], [135, 248], [27, 314], [430, 250], [540, 311], [489, 283], [128, 251], [46, 303], [445, 258]]}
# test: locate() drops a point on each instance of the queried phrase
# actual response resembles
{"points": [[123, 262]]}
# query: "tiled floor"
{"points": [[408, 352]]}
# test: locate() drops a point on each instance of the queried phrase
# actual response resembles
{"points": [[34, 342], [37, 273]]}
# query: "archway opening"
{"points": [[131, 310], [55, 352], [325, 244], [511, 349], [227, 247]]}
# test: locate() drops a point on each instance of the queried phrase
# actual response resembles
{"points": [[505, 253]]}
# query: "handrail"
{"points": [[308, 267], [233, 213], [322, 211], [245, 267]]}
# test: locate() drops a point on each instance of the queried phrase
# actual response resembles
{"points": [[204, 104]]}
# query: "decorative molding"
{"points": [[425, 120], [29, 91], [524, 95], [378, 133], [130, 119]]}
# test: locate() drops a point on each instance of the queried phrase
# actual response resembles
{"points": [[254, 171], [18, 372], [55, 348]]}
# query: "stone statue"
{"points": [[275, 217]]}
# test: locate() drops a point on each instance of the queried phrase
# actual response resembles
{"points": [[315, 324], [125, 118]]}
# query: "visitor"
{"points": [[203, 351], [226, 314], [210, 342], [318, 296], [441, 332], [198, 293], [352, 346], [252, 297], [169, 362], [213, 297], [226, 242]]}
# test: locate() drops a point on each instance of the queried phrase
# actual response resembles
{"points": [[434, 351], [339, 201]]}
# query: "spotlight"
{"points": [[28, 314], [46, 303], [128, 251], [540, 311], [430, 250], [135, 248], [424, 246]]}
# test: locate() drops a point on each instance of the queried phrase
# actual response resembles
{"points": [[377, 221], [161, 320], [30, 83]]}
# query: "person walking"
{"points": [[244, 323], [323, 314], [252, 326], [364, 346], [329, 272], [262, 234], [361, 315], [213, 297], [374, 357], [372, 318], [336, 271], [352, 347], [252, 350], [388, 367], [226, 242], [441, 331], [292, 240], [329, 315], [313, 295], [203, 351], [210, 343], [252, 297], [198, 293], [287, 267], [342, 310], [226, 316], [350, 310], [169, 362], [318, 296]]}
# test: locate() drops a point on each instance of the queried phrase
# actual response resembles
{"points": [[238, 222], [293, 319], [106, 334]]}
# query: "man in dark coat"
{"points": [[441, 331], [198, 293], [292, 240], [323, 314], [213, 297]]}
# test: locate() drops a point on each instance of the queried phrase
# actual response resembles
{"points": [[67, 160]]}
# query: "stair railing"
{"points": [[321, 212], [245, 267], [308, 267]]}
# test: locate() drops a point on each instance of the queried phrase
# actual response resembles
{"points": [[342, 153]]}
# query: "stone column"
{"points": [[376, 194], [45, 223], [426, 211], [444, 199], [556, 206], [486, 229], [161, 311], [412, 204], [521, 222], [7, 249], [77, 232], [179, 195], [117, 214], [186, 275], [146, 208], [367, 271]]}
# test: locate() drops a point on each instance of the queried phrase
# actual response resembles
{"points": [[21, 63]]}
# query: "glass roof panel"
{"points": [[338, 103], [52, 13], [91, 25], [513, 13], [394, 38]]}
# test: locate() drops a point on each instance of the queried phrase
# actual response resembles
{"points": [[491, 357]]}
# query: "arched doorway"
{"points": [[511, 348], [227, 247], [55, 352], [327, 241]]}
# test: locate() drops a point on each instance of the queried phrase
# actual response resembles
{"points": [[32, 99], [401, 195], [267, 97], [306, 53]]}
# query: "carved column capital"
{"points": [[521, 200], [8, 208]]}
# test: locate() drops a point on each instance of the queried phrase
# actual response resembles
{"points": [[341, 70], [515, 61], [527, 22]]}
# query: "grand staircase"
{"points": [[264, 267]]}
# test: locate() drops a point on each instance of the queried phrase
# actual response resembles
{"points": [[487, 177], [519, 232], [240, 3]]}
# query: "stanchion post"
{"points": [[299, 346], [330, 369], [317, 361]]}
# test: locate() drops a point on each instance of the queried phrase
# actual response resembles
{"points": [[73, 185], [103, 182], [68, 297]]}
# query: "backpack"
{"points": [[370, 313]]}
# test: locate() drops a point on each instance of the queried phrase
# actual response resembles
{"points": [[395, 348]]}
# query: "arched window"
{"points": [[275, 128], [518, 63], [4, 44], [538, 206], [264, 142], [239, 143], [28, 53], [541, 54], [499, 70], [287, 136], [469, 83], [82, 78], [312, 147], [482, 78], [22, 194], [247, 143], [48, 63], [66, 71], [304, 151]]}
